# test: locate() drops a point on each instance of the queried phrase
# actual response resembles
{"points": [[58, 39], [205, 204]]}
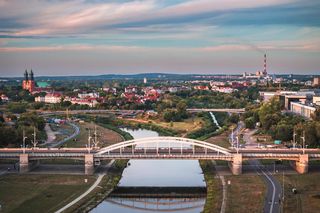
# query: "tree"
{"points": [[249, 122], [234, 118], [316, 115], [17, 108]]}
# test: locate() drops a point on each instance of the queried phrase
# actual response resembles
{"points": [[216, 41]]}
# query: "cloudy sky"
{"points": [[81, 37]]}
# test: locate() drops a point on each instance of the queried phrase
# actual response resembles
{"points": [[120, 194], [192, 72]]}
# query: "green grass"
{"points": [[245, 194], [40, 193], [307, 200], [214, 188]]}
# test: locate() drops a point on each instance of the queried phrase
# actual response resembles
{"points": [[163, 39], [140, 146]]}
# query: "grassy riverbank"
{"points": [[40, 193], [108, 183], [214, 188], [105, 136]]}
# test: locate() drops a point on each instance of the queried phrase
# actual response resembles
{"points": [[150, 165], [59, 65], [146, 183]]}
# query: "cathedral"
{"points": [[28, 82]]}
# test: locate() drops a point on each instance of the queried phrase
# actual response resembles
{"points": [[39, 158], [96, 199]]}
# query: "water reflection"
{"points": [[119, 205], [156, 173]]}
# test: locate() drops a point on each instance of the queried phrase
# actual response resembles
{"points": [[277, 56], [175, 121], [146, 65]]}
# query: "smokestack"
{"points": [[265, 65]]}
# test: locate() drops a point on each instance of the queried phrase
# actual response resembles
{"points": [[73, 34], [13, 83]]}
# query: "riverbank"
{"points": [[214, 188], [106, 186], [40, 193]]}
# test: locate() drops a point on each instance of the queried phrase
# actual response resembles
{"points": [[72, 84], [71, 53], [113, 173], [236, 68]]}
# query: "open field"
{"points": [[220, 140], [307, 200], [245, 194], [105, 136], [182, 127], [40, 193]]}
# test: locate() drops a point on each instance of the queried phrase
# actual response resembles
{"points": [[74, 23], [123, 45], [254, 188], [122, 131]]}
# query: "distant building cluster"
{"points": [[303, 102]]}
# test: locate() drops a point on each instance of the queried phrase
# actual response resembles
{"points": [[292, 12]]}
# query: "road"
{"points": [[75, 133], [95, 184], [274, 189]]}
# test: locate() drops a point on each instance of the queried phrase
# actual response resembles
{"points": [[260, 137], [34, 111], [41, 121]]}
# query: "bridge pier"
{"points": [[236, 164], [88, 164], [302, 165], [23, 163]]}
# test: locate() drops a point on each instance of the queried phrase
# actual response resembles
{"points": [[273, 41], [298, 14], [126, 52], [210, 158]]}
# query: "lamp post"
{"points": [[24, 142], [304, 142], [294, 139], [89, 139], [237, 144], [34, 142]]}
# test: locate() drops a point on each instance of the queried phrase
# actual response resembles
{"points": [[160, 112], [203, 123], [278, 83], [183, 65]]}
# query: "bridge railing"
{"points": [[169, 140]]}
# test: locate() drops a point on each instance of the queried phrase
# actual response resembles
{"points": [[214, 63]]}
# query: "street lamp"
{"points": [[294, 139], [24, 142], [34, 142], [237, 144], [89, 139], [304, 142]]}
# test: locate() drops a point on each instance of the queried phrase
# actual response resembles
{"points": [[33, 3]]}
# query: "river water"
{"points": [[157, 173]]}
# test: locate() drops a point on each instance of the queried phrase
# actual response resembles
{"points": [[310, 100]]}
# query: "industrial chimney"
{"points": [[265, 65]]}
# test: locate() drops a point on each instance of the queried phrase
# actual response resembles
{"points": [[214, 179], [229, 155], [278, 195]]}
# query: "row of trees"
{"points": [[282, 126], [11, 135]]}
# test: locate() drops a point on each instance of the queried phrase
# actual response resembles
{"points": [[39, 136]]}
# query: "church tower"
{"points": [[28, 83]]}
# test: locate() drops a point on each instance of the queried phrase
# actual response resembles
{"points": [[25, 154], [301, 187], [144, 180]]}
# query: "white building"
{"points": [[89, 95], [316, 100], [51, 98], [301, 109]]}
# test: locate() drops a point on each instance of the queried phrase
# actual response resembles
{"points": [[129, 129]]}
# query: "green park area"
{"points": [[104, 136], [40, 193]]}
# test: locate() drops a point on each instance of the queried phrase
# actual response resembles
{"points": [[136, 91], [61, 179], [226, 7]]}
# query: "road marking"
{"points": [[273, 192]]}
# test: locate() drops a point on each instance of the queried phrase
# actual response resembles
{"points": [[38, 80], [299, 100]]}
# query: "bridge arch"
{"points": [[157, 140]]}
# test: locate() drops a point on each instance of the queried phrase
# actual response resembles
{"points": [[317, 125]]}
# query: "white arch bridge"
{"points": [[159, 148], [164, 147]]}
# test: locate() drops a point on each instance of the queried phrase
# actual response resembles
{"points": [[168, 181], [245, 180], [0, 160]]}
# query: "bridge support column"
{"points": [[23, 163], [236, 164], [88, 164], [302, 165]]}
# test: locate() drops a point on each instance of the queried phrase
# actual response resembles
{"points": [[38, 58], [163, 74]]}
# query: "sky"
{"points": [[93, 37]]}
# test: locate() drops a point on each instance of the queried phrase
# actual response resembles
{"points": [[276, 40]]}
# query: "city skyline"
{"points": [[127, 37]]}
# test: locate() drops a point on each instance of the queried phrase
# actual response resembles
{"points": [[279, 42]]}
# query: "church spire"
{"points": [[26, 75], [31, 75]]}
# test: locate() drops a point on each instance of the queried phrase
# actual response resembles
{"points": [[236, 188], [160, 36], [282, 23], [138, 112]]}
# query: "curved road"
{"points": [[274, 190], [75, 133]]}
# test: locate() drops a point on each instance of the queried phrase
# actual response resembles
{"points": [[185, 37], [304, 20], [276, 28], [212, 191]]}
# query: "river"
{"points": [[157, 173]]}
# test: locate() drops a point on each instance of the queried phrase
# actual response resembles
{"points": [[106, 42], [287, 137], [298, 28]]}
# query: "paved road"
{"points": [[96, 183], [75, 133], [236, 131], [274, 190]]}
